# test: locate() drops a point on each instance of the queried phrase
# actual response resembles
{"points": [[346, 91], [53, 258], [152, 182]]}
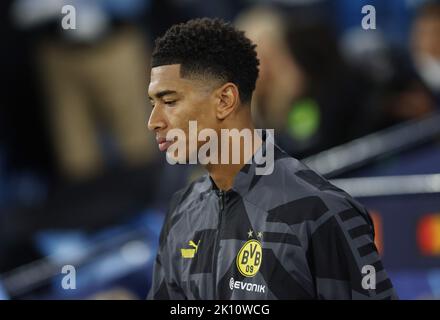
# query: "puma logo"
{"points": [[190, 253]]}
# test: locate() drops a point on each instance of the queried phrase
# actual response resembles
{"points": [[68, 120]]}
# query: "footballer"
{"points": [[236, 233]]}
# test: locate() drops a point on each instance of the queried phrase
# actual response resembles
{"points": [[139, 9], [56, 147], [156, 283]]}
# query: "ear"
{"points": [[228, 98]]}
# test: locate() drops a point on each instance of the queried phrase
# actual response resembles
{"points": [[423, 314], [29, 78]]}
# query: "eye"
{"points": [[170, 103]]}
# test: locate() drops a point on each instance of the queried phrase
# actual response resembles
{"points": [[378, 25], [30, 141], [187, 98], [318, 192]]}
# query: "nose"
{"points": [[156, 121]]}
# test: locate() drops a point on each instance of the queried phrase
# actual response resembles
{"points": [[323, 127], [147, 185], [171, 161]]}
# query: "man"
{"points": [[285, 233]]}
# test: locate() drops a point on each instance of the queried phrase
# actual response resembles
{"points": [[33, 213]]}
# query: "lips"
{"points": [[163, 144]]}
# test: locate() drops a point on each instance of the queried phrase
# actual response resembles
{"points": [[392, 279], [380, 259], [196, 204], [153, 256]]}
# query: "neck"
{"points": [[224, 174]]}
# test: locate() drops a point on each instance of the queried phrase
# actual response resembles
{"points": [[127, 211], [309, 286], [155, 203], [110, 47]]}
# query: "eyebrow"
{"points": [[163, 93]]}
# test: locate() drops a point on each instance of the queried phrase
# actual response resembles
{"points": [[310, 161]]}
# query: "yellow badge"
{"points": [[249, 258], [189, 253]]}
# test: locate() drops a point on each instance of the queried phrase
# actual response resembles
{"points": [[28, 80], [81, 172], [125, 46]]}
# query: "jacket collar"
{"points": [[248, 176]]}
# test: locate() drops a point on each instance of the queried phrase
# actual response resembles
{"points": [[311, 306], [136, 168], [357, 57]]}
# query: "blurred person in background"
{"points": [[280, 79], [399, 86], [403, 81], [425, 46], [405, 96], [94, 77], [306, 91]]}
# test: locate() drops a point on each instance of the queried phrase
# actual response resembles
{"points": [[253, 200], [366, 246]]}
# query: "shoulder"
{"points": [[298, 195], [181, 198], [189, 193]]}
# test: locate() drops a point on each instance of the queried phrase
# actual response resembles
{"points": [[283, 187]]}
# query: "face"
{"points": [[426, 37], [176, 101]]}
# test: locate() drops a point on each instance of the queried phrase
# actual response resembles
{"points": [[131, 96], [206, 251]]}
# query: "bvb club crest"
{"points": [[249, 258]]}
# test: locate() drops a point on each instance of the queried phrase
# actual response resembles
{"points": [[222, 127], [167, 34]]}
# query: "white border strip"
{"points": [[389, 185], [355, 153]]}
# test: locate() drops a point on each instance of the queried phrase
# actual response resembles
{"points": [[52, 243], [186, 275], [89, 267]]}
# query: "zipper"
{"points": [[221, 195]]}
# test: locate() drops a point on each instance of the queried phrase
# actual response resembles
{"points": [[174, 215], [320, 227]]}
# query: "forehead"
{"points": [[166, 72], [167, 78], [428, 22]]}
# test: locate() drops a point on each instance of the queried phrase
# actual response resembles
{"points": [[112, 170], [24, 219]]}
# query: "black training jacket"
{"points": [[287, 235]]}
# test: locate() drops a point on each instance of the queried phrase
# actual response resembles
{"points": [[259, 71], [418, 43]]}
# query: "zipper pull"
{"points": [[221, 198]]}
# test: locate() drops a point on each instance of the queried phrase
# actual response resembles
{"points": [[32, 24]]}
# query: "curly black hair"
{"points": [[210, 47]]}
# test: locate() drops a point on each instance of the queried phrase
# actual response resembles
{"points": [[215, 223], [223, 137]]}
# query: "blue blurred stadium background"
{"points": [[82, 184]]}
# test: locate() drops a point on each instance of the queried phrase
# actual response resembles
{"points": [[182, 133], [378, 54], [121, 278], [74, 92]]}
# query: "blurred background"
{"points": [[82, 182]]}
